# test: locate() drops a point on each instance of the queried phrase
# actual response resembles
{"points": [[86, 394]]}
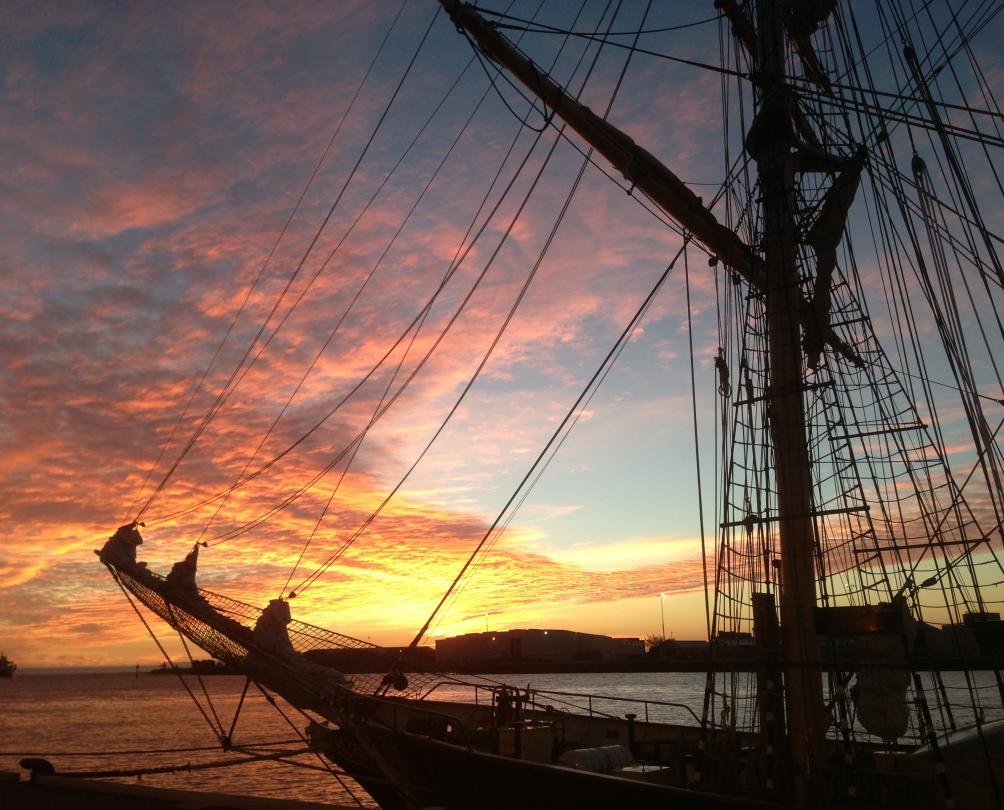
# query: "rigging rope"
{"points": [[268, 260], [697, 442], [455, 265], [484, 360], [549, 240], [231, 385], [633, 49], [554, 436], [223, 736], [421, 324], [397, 394], [365, 283], [550, 29]]}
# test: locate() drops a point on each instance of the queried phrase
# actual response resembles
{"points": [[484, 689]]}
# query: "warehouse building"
{"points": [[539, 646]]}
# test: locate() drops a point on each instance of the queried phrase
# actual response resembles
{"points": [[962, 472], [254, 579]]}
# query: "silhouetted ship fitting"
{"points": [[7, 667], [846, 522]]}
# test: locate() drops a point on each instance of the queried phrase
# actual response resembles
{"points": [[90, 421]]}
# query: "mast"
{"points": [[775, 276], [786, 412]]}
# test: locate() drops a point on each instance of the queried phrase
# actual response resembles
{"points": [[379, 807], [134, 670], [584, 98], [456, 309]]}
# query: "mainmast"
{"points": [[774, 154]]}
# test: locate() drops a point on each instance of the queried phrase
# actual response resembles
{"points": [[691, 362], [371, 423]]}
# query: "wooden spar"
{"points": [[637, 165], [802, 675]]}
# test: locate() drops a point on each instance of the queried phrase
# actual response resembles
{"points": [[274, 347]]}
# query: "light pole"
{"points": [[662, 615]]}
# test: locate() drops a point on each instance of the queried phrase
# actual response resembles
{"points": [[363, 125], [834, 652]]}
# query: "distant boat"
{"points": [[7, 667], [199, 667]]}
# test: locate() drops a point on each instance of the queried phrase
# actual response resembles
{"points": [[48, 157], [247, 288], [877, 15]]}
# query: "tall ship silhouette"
{"points": [[853, 243]]}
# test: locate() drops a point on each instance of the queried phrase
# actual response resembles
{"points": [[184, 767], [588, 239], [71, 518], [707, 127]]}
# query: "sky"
{"points": [[152, 155]]}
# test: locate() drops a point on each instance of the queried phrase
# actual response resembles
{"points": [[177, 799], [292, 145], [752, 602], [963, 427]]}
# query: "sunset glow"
{"points": [[152, 154]]}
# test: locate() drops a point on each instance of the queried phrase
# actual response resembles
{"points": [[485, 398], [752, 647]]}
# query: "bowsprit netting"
{"points": [[224, 628]]}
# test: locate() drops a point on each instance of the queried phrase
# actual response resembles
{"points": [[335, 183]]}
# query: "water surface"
{"points": [[57, 715]]}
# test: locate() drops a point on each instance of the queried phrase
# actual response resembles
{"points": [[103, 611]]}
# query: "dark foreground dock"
{"points": [[55, 792]]}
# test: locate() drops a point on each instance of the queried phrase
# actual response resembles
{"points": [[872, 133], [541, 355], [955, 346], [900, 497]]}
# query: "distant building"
{"points": [[977, 634], [544, 646], [734, 645], [680, 650], [372, 659], [730, 638]]}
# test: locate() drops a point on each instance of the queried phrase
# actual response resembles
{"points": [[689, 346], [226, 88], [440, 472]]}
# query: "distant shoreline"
{"points": [[694, 665], [110, 669], [526, 668]]}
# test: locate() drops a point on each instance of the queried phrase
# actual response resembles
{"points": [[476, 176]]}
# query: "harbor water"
{"points": [[58, 716], [98, 722]]}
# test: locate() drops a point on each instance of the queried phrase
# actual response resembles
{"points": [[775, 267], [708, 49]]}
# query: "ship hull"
{"points": [[426, 772], [416, 754]]}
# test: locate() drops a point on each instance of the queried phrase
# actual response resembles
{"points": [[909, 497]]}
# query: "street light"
{"points": [[662, 615]]}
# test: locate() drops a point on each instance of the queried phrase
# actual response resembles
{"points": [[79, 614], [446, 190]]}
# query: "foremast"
{"points": [[775, 277]]}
